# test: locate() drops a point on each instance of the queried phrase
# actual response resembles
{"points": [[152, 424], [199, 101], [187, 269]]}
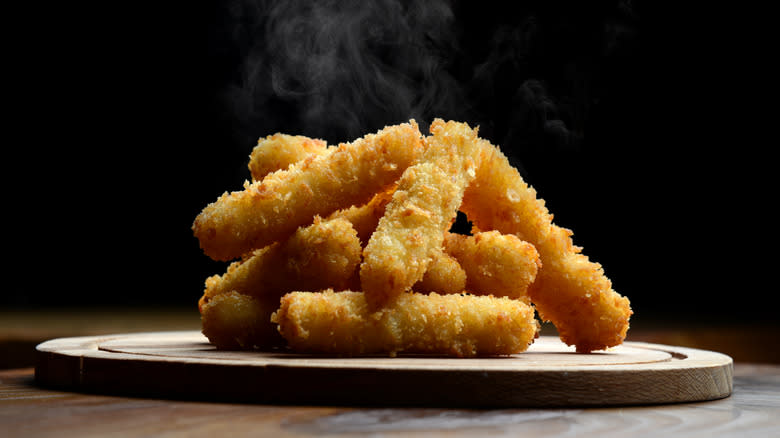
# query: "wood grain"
{"points": [[185, 365], [29, 410]]}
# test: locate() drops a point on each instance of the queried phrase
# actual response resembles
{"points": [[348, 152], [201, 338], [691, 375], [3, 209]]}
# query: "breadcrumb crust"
{"points": [[453, 325], [270, 210], [570, 290], [422, 209]]}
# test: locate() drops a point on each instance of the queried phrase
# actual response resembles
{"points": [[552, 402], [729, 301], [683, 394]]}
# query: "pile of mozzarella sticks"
{"points": [[348, 250]]}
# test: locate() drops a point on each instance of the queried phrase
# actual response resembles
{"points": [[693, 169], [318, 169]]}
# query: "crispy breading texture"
{"points": [[279, 151], [322, 255], [569, 290], [365, 218], [233, 321], [455, 325], [422, 208], [495, 264], [444, 276], [270, 210]]}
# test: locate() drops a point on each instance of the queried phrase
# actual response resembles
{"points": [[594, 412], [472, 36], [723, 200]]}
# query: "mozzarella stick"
{"points": [[366, 217], [422, 208], [233, 321], [279, 151], [454, 325], [495, 264], [569, 290], [270, 210], [324, 254], [444, 275]]}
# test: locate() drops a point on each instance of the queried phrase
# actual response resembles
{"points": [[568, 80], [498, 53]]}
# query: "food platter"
{"points": [[183, 365]]}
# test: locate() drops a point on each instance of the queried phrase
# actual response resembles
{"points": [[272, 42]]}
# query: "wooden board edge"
{"points": [[79, 369]]}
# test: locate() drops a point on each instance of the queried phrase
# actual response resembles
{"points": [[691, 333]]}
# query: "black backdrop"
{"points": [[637, 124]]}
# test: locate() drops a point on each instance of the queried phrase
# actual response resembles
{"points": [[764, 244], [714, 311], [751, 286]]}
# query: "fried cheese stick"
{"points": [[233, 321], [366, 217], [324, 254], [569, 290], [444, 276], [495, 264], [454, 325], [270, 210], [279, 151], [423, 206]]}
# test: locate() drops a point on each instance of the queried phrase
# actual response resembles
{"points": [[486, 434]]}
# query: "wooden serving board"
{"points": [[184, 365]]}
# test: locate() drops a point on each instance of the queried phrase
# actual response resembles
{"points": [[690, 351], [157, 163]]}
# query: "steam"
{"points": [[340, 69], [541, 76]]}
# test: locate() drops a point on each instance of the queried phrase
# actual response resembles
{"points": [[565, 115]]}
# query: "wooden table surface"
{"points": [[29, 410]]}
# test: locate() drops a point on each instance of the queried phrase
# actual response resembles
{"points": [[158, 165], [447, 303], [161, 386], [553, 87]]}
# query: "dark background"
{"points": [[642, 126]]}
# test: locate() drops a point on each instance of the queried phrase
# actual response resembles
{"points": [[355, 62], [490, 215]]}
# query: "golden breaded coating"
{"points": [[569, 290], [279, 151], [455, 325], [495, 264], [270, 210], [399, 251], [444, 276], [424, 205], [232, 321], [250, 276], [324, 254], [366, 217]]}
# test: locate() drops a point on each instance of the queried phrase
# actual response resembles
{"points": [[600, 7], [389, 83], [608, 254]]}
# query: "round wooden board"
{"points": [[185, 365]]}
